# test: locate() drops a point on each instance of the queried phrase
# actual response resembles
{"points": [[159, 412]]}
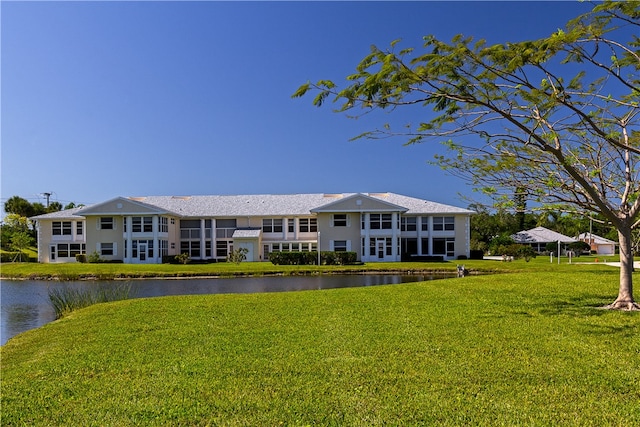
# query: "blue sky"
{"points": [[107, 99]]}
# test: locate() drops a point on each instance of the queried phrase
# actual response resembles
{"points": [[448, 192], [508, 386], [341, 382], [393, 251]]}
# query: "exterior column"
{"points": [[430, 231], [128, 256], [419, 230], [213, 237], [202, 234], [394, 236], [155, 226], [365, 231]]}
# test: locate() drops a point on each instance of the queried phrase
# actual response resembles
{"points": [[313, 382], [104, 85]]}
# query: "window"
{"points": [[79, 228], [142, 224], [164, 225], [308, 225], [190, 229], [61, 228], [225, 229], [107, 249], [441, 223], [191, 247], [75, 249], [425, 246], [340, 220], [164, 247], [291, 225], [340, 245], [106, 223], [272, 225], [444, 246], [63, 251], [408, 223], [222, 248], [409, 246], [380, 221]]}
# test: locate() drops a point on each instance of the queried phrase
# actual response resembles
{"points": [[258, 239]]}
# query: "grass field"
{"points": [[530, 347], [105, 271]]}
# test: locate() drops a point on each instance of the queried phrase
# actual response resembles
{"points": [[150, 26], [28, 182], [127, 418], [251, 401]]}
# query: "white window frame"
{"points": [[338, 222]]}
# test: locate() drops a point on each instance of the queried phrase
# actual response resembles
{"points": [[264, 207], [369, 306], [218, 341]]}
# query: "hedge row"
{"points": [[311, 258]]}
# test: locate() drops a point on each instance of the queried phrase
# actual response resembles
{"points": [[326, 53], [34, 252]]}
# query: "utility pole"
{"points": [[47, 195]]}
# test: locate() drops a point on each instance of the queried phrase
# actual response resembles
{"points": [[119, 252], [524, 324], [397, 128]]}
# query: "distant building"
{"points": [[599, 245], [377, 226], [539, 237]]}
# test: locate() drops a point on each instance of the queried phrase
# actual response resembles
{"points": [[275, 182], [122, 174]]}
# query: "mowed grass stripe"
{"points": [[522, 348]]}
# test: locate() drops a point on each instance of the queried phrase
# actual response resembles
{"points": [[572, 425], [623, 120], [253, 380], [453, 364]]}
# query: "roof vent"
{"points": [[181, 197], [333, 196]]}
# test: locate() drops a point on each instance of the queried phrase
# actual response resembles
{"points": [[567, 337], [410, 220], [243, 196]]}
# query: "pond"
{"points": [[25, 305]]}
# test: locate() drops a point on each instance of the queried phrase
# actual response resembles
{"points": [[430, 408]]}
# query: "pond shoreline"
{"points": [[181, 276]]}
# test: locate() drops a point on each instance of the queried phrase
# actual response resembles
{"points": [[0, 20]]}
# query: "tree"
{"points": [[556, 117], [18, 205]]}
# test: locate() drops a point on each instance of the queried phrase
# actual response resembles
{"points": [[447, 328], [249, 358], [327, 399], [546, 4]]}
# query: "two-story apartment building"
{"points": [[377, 226]]}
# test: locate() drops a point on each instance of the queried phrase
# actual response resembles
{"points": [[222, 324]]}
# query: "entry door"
{"points": [[249, 247], [380, 248], [142, 251]]}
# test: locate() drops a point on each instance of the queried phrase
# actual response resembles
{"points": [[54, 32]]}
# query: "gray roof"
{"points": [[541, 235], [247, 233], [281, 204], [596, 239], [65, 214], [419, 206], [266, 205]]}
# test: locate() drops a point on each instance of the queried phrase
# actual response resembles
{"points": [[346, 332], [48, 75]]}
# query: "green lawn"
{"points": [[524, 348], [75, 271]]}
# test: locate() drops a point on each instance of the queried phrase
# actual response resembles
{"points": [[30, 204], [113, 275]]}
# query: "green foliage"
{"points": [[552, 247], [68, 298], [19, 242], [311, 258], [182, 258], [525, 252], [238, 255], [579, 247], [94, 257]]}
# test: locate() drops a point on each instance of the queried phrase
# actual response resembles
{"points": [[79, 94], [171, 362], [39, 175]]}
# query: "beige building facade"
{"points": [[376, 226]]}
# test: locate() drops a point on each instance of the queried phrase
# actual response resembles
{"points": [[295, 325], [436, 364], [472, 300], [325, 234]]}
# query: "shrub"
{"points": [[82, 258], [67, 299], [580, 247], [182, 258], [238, 255], [311, 258], [526, 252], [94, 257]]}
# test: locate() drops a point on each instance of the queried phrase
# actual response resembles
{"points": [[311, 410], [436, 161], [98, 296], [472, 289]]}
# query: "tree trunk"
{"points": [[625, 293]]}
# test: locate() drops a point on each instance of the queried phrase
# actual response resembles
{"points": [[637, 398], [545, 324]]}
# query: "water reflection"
{"points": [[25, 304]]}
